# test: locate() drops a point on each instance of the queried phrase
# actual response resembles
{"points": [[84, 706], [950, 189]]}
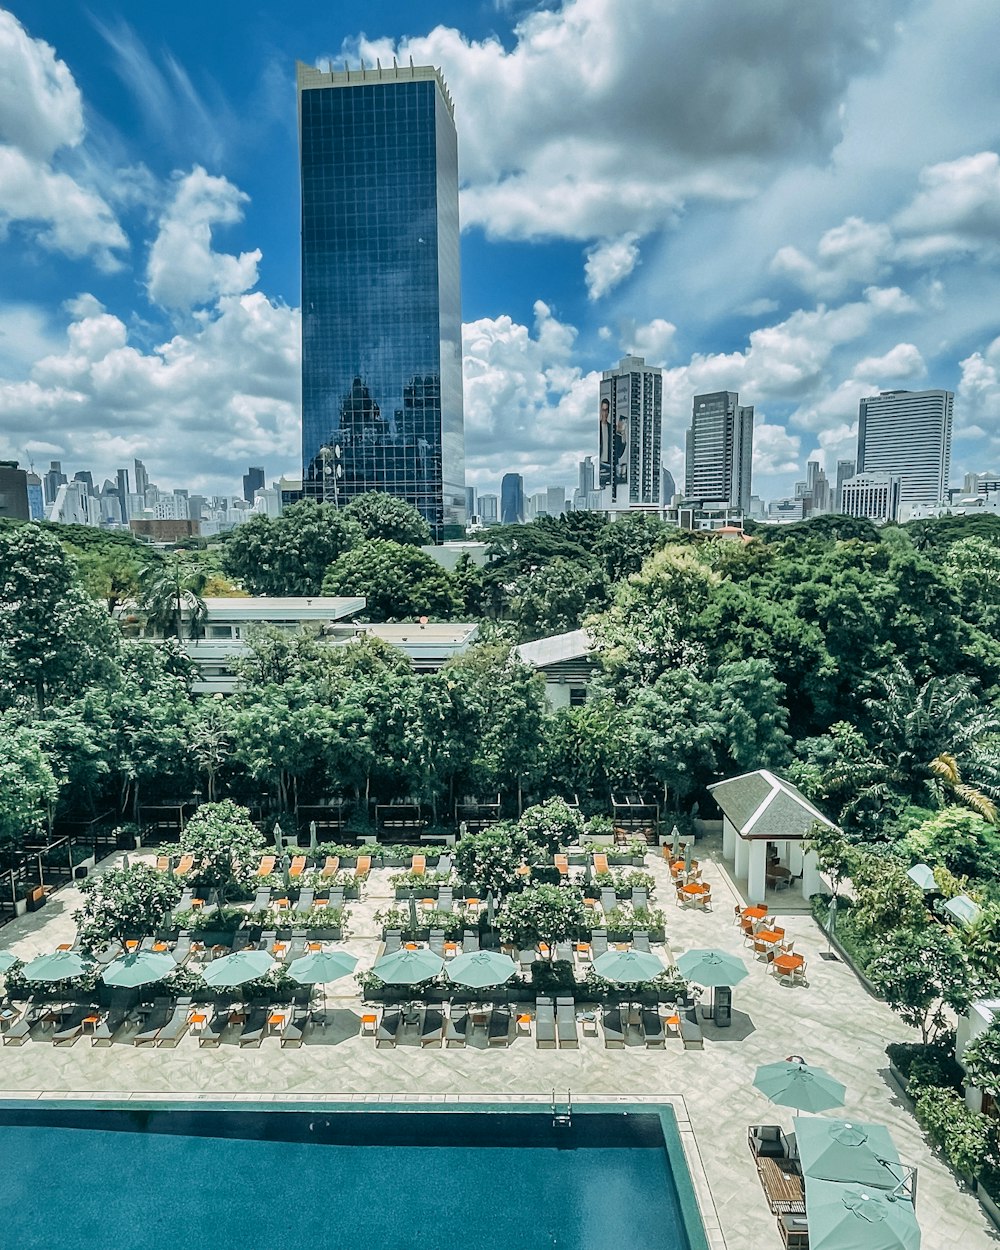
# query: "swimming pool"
{"points": [[248, 1176]]}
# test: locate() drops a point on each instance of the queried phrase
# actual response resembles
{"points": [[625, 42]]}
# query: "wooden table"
{"points": [[788, 963], [769, 935], [754, 913], [695, 889], [782, 1186], [276, 1021]]}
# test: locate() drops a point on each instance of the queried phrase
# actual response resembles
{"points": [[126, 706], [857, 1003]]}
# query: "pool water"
{"points": [[331, 1178]]}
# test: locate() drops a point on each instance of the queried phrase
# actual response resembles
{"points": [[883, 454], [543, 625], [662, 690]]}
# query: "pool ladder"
{"points": [[563, 1119]]}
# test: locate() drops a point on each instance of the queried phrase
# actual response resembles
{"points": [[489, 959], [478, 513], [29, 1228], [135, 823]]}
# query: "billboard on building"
{"points": [[605, 435]]}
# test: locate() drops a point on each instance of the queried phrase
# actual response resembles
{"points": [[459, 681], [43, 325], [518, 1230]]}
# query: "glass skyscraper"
{"points": [[381, 299]]}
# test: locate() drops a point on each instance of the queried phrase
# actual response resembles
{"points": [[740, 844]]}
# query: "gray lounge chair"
{"points": [[545, 1024], [437, 942], [262, 899], [291, 1034], [498, 1027], [566, 1024], [388, 1028], [176, 1026], [470, 940], [15, 1034], [445, 898], [337, 897], [182, 947], [241, 940], [640, 940], [564, 952], [254, 1026], [614, 1028], [157, 1018], [109, 1024], [71, 1025], [444, 863], [652, 1028], [184, 903], [214, 1026], [431, 1027], [456, 1026], [393, 940], [691, 1034], [108, 954], [609, 900], [640, 899], [267, 940], [598, 942], [526, 958], [305, 900], [297, 946]]}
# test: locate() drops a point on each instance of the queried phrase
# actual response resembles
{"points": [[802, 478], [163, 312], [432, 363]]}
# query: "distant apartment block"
{"points": [[629, 432], [719, 450], [875, 496], [907, 434]]}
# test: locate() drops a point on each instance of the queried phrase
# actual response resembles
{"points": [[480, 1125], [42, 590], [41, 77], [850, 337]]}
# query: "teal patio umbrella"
{"points": [[408, 967], [479, 969], [138, 968], [800, 1086], [854, 1217], [840, 1150], [60, 966], [922, 876], [628, 967], [7, 960], [236, 969], [318, 967], [711, 968]]}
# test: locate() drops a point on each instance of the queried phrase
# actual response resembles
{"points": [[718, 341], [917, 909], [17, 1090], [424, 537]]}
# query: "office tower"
{"points": [[668, 487], [123, 493], [470, 502], [719, 450], [140, 478], [845, 469], [53, 480], [36, 497], [587, 478], [488, 509], [381, 301], [512, 499], [980, 483], [876, 496], [14, 492], [630, 408], [253, 481], [908, 434], [87, 478], [555, 500]]}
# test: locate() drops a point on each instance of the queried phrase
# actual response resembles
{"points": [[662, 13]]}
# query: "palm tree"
{"points": [[167, 590]]}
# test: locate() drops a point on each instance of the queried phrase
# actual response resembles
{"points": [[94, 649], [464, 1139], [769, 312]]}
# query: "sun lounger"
{"points": [[305, 900], [262, 899], [266, 866], [291, 1034], [598, 942], [614, 1028], [545, 1024], [330, 868], [71, 1025], [640, 940], [691, 1034], [445, 898], [456, 1026], [562, 863], [364, 866], [388, 1028], [609, 900], [182, 947], [431, 1027], [267, 940], [336, 897], [157, 1018], [298, 866], [176, 1026], [526, 958], [470, 940], [214, 1026], [640, 899], [163, 863], [418, 865], [393, 941], [600, 863], [109, 1024], [184, 903], [436, 942], [498, 1027], [564, 952], [444, 863], [297, 947], [21, 1028], [652, 1028], [566, 1024], [184, 866], [254, 1026]]}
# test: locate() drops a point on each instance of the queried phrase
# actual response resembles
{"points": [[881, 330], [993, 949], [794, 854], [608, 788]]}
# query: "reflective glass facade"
{"points": [[381, 300]]}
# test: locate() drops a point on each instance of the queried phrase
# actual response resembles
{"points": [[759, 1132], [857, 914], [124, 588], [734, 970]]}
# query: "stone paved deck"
{"points": [[832, 1022]]}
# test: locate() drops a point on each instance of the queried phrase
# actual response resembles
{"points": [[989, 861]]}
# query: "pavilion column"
{"points": [[741, 860], [728, 838], [812, 881], [757, 875]]}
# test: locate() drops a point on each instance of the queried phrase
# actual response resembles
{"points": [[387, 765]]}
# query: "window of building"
{"points": [[577, 696]]}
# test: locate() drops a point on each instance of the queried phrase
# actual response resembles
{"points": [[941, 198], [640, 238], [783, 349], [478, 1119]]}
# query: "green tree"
{"points": [[124, 903], [673, 734], [27, 785], [379, 515], [213, 736], [551, 825], [54, 639], [959, 840], [289, 555], [113, 575], [489, 861], [920, 974], [542, 915], [588, 750], [625, 545], [981, 1061], [398, 582], [226, 846], [748, 703], [556, 597], [170, 590]]}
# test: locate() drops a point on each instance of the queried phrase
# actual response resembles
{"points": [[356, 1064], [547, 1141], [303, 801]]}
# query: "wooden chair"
{"points": [[562, 863], [185, 866], [364, 866], [330, 868], [298, 866], [266, 866]]}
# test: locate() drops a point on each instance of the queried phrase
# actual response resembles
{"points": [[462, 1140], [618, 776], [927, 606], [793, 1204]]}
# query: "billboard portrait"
{"points": [[606, 438]]}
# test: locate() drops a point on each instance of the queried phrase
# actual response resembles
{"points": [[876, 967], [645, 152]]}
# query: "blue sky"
{"points": [[799, 202]]}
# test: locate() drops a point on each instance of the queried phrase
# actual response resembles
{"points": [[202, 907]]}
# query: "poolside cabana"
{"points": [[765, 820]]}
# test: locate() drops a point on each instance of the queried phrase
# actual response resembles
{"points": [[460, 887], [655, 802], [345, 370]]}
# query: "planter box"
{"points": [[429, 891], [989, 1204], [214, 937], [322, 933], [36, 898]]}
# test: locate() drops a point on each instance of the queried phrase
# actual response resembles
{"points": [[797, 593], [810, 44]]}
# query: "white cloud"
{"points": [[956, 210], [184, 272], [899, 363], [654, 341], [775, 450], [852, 254], [977, 404], [609, 263], [41, 117]]}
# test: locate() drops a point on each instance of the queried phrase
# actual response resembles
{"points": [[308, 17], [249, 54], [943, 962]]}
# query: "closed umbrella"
{"points": [[60, 966], [923, 876], [279, 845], [7, 960], [688, 846], [675, 843], [711, 968], [800, 1086], [313, 840], [853, 1217], [413, 912], [479, 969], [238, 968], [408, 967], [628, 967], [138, 968]]}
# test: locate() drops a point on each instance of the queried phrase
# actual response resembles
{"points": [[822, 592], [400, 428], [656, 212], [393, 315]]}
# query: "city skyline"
{"points": [[830, 238]]}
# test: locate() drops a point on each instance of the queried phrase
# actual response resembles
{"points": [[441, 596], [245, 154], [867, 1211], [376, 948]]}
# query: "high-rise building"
{"points": [[980, 483], [512, 499], [908, 434], [630, 408], [875, 496], [381, 300], [53, 480], [36, 497], [719, 450], [14, 492], [253, 481], [87, 478], [845, 469], [140, 478], [587, 478], [555, 500], [470, 502], [488, 509], [123, 493], [668, 487]]}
